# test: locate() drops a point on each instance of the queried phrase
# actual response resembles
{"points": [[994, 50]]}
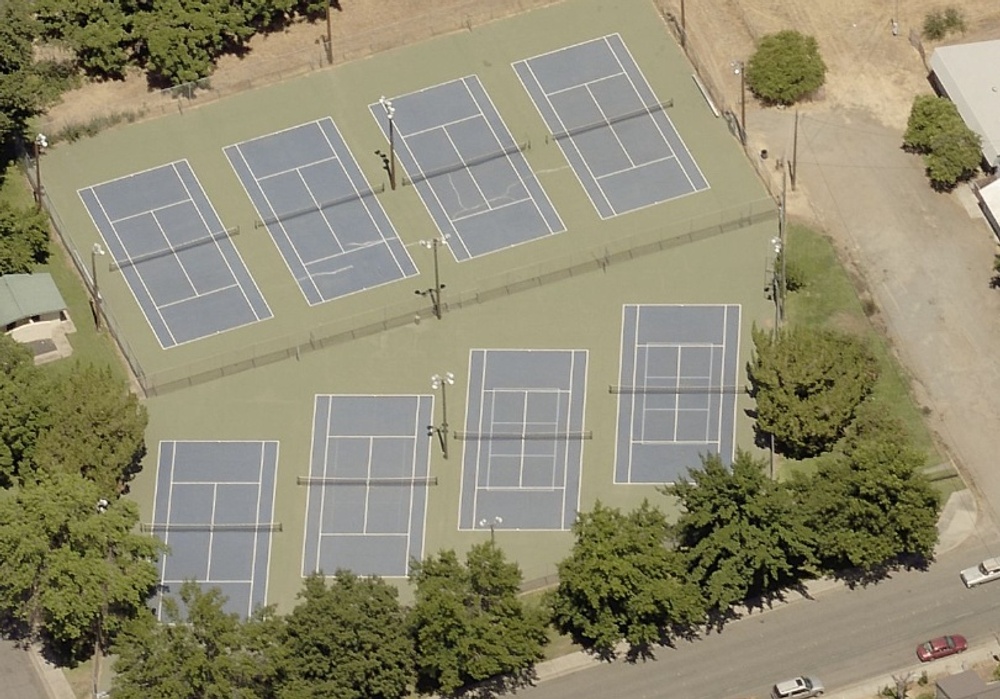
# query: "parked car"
{"points": [[985, 572], [941, 647], [798, 688]]}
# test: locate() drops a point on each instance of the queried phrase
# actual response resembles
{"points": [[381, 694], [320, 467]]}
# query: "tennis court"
{"points": [[214, 508], [468, 169], [677, 389], [367, 484], [615, 133], [320, 211], [524, 433], [176, 256]]}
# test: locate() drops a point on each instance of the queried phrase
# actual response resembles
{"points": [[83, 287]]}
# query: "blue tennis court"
{"points": [[677, 389], [176, 256], [367, 484], [612, 128], [321, 213], [524, 435], [214, 508], [468, 169]]}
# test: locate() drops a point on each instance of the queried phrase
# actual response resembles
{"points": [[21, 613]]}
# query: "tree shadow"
{"points": [[499, 686], [864, 577]]}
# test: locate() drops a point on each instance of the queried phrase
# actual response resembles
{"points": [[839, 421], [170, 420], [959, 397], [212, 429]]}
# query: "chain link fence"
{"points": [[100, 307]]}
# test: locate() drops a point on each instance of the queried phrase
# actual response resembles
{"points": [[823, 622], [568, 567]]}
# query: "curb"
{"points": [[52, 679], [870, 689]]}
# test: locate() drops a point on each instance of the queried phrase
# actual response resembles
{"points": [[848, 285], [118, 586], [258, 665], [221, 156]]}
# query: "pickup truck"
{"points": [[985, 572]]}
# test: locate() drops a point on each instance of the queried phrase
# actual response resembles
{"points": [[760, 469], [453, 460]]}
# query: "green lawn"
{"points": [[88, 345], [831, 298]]}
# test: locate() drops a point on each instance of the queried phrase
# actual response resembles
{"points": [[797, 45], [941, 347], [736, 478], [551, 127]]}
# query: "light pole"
{"points": [[778, 282], [435, 291], [102, 507], [442, 383], [740, 69], [329, 33], [390, 113], [492, 524], [94, 252], [41, 143]]}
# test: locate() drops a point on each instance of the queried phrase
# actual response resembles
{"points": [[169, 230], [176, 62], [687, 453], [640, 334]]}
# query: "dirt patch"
{"points": [[362, 28]]}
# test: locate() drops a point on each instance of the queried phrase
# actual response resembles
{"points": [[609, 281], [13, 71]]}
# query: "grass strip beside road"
{"points": [[832, 298]]}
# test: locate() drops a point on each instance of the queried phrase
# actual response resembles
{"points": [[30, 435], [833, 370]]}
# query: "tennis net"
{"points": [[467, 164], [647, 110], [326, 480], [523, 436], [678, 390], [116, 265], [210, 527], [320, 206]]}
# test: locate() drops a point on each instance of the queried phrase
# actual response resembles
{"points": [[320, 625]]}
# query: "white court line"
{"points": [[209, 580], [572, 142], [610, 126], [166, 534], [280, 225], [211, 534], [510, 158], [463, 168], [298, 168], [195, 296], [491, 209], [357, 193], [140, 214], [677, 134], [257, 534], [142, 281], [443, 126], [519, 489], [587, 84], [640, 166], [216, 483], [642, 100], [309, 494], [372, 535], [366, 203], [217, 242]]}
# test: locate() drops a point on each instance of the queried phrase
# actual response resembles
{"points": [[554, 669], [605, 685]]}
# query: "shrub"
{"points": [[785, 68]]}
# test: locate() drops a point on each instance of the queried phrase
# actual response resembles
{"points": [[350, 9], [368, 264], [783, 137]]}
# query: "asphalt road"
{"points": [[842, 636], [18, 679]]}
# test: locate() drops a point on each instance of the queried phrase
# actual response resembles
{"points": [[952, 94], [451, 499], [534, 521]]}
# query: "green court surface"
{"points": [[716, 251]]}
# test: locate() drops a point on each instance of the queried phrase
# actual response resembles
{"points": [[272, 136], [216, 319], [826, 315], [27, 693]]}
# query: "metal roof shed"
{"points": [[989, 204], [24, 296], [968, 75]]}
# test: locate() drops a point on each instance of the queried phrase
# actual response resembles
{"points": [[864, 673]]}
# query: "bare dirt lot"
{"points": [[925, 257]]}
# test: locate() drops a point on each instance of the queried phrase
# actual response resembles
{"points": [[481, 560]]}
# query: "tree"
{"points": [[785, 68], [200, 651], [623, 581], [24, 402], [183, 38], [24, 239], [19, 86], [740, 532], [808, 384], [954, 156], [95, 428], [70, 568], [98, 31], [870, 505], [469, 625], [951, 150], [348, 639]]}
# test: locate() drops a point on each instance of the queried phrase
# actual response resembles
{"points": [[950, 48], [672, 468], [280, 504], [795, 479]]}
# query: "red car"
{"points": [[941, 647]]}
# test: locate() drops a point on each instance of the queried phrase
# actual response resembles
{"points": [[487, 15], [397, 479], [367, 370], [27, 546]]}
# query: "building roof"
{"points": [[968, 74], [26, 295], [989, 200], [967, 685]]}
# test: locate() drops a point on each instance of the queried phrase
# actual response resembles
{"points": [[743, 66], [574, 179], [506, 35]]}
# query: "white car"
{"points": [[985, 572], [798, 688]]}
